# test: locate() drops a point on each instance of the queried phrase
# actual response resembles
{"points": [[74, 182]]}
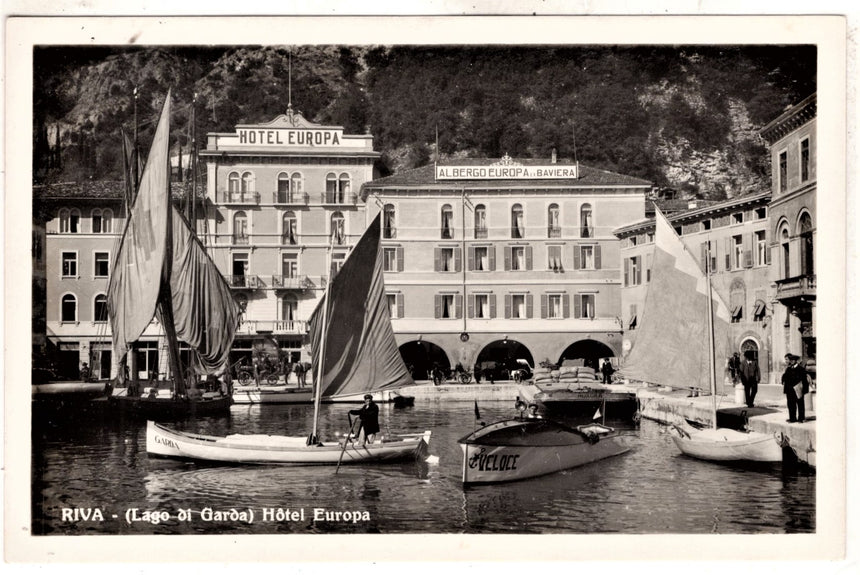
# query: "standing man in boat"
{"points": [[369, 415]]}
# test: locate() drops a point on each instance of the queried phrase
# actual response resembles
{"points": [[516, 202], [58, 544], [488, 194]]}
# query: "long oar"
{"points": [[345, 441]]}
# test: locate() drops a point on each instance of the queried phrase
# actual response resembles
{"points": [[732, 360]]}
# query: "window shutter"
{"points": [[728, 254], [767, 251], [400, 259], [529, 306], [748, 260], [648, 268], [626, 272], [528, 257], [491, 250], [507, 306], [492, 306], [597, 257], [470, 306], [438, 299], [458, 306], [471, 260], [565, 305], [507, 259], [543, 305], [400, 305], [703, 257], [577, 305], [458, 260], [577, 262], [437, 254], [638, 279], [794, 257]]}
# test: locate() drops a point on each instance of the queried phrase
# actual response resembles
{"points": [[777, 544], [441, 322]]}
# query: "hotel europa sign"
{"points": [[508, 172], [288, 137]]}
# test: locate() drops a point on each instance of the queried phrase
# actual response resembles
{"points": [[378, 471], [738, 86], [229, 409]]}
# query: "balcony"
{"points": [[289, 199], [280, 326], [553, 232], [338, 198], [244, 282], [241, 239], [239, 198], [796, 289], [298, 282]]}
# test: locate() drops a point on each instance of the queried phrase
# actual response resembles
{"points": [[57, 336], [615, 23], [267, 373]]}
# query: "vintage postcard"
{"points": [[421, 286]]}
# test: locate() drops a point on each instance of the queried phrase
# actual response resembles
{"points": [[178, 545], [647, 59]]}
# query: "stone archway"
{"points": [[420, 356], [589, 350], [499, 357]]}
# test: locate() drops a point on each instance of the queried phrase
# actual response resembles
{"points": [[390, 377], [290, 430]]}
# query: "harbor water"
{"points": [[93, 476]]}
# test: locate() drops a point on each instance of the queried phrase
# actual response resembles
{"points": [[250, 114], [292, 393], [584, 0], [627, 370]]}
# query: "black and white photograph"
{"points": [[333, 276]]}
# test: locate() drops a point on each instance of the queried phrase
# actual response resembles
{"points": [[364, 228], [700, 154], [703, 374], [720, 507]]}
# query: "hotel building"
{"points": [[487, 262]]}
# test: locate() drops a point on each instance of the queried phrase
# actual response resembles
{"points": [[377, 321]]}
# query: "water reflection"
{"points": [[86, 462]]}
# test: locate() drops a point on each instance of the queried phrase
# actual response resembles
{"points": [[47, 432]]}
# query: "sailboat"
{"points": [[684, 327], [354, 352], [162, 269]]}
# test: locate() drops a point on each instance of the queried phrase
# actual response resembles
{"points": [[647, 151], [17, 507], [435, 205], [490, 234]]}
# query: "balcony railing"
{"points": [[553, 232], [338, 198], [291, 282], [289, 198], [281, 326], [243, 198], [241, 239], [244, 281], [796, 287]]}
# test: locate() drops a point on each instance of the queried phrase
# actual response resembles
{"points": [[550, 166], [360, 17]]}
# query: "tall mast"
{"points": [[136, 177], [711, 354], [166, 297], [319, 368]]}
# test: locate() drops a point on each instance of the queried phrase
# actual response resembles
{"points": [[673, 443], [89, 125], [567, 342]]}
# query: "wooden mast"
{"points": [[711, 359], [320, 367], [165, 298]]}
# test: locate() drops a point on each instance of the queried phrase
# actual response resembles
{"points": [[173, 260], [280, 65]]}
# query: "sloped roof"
{"points": [[97, 190]]}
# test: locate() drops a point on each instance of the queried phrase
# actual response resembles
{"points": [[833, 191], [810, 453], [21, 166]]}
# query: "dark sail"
{"points": [[361, 354]]}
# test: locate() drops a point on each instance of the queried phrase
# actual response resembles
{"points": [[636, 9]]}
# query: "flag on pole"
{"points": [[597, 414]]}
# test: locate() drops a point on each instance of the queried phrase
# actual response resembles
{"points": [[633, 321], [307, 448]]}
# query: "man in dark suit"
{"points": [[750, 376], [369, 415], [793, 376]]}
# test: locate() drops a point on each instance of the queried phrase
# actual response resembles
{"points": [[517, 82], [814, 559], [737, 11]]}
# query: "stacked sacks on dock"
{"points": [[543, 378], [577, 375]]}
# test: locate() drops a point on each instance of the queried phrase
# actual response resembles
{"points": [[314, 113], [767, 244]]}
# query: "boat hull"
{"points": [[161, 408], [586, 402], [726, 445], [278, 450], [70, 390], [517, 449], [290, 395]]}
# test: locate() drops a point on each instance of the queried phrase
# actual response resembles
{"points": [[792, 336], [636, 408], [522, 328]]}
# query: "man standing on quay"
{"points": [[794, 385], [750, 377]]}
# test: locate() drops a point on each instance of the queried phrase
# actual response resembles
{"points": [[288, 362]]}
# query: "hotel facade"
{"points": [[491, 261]]}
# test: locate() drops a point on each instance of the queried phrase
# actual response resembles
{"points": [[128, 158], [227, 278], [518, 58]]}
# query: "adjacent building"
{"points": [[731, 240], [490, 261], [792, 141]]}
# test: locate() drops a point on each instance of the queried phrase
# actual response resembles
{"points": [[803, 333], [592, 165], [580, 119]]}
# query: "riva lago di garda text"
{"points": [[135, 515]]}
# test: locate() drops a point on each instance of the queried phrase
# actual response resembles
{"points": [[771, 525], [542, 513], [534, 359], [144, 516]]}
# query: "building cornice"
{"points": [[790, 120]]}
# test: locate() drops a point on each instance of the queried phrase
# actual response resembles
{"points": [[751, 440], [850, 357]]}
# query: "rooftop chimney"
{"points": [[554, 156]]}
